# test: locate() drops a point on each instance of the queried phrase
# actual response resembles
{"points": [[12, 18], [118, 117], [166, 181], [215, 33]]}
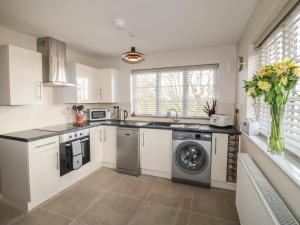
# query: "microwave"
{"points": [[99, 114]]}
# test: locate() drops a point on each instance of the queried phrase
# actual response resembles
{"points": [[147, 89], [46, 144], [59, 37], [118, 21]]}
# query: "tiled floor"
{"points": [[109, 198]]}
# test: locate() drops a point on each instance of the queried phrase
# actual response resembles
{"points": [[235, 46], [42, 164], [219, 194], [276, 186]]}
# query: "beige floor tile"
{"points": [[8, 213], [151, 213], [196, 219], [215, 202], [42, 217], [182, 218], [137, 187], [171, 194], [72, 201], [102, 179], [112, 209]]}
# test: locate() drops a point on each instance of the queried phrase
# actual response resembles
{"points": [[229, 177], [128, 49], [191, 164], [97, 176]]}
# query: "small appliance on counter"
{"points": [[250, 127], [98, 114], [221, 120], [122, 114]]}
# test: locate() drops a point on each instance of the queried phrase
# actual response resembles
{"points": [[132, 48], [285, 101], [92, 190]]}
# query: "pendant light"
{"points": [[133, 56]]}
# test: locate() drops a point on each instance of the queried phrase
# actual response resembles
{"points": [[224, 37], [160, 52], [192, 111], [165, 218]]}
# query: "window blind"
{"points": [[284, 42], [186, 89]]}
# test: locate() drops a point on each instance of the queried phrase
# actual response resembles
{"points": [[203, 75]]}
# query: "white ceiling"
{"points": [[159, 25]]}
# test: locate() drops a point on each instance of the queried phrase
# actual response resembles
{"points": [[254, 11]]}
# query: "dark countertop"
{"points": [[45, 132]]}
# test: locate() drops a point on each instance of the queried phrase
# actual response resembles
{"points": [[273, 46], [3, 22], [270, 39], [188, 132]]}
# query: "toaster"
{"points": [[221, 120]]}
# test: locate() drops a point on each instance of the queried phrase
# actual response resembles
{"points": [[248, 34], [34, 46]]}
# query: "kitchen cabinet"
{"points": [[93, 85], [20, 76], [96, 145], [44, 171], [219, 157], [109, 146], [155, 151], [108, 85], [35, 174]]}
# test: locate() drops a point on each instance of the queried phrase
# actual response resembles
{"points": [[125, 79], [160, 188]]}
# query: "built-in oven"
{"points": [[74, 150], [99, 114]]}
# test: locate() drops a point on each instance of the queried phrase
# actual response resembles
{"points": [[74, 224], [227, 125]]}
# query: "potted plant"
{"points": [[274, 82], [79, 114], [210, 110]]}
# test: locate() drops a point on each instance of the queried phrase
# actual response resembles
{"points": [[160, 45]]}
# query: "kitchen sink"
{"points": [[159, 124], [165, 124]]}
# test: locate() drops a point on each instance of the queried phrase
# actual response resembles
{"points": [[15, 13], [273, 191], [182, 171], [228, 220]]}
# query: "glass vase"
{"points": [[276, 138]]}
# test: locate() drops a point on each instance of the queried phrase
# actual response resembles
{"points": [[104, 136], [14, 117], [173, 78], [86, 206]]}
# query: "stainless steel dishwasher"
{"points": [[128, 154]]}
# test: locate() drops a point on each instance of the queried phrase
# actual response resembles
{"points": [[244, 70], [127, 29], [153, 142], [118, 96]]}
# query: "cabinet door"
{"points": [[219, 157], [110, 144], [25, 69], [96, 143], [86, 84], [105, 85], [156, 147], [44, 170]]}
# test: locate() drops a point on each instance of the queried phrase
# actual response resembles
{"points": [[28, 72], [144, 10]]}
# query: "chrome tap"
{"points": [[176, 119]]}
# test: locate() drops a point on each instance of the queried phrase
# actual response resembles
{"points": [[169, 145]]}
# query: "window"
{"points": [[186, 89], [283, 42]]}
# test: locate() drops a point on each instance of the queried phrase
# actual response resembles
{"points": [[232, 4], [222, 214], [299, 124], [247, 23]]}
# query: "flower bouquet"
{"points": [[274, 82]]}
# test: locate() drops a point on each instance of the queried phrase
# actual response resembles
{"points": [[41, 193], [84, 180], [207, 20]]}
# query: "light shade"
{"points": [[133, 57]]}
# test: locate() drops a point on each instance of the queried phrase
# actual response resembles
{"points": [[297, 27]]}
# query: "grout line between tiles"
{"points": [[190, 211], [142, 202]]}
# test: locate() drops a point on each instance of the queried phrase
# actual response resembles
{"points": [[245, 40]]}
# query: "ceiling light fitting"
{"points": [[120, 24], [133, 57]]}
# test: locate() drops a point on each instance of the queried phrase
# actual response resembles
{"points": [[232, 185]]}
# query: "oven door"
{"points": [[65, 153], [65, 156], [85, 148]]}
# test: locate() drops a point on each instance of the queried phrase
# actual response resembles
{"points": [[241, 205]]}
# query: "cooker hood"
{"points": [[54, 62]]}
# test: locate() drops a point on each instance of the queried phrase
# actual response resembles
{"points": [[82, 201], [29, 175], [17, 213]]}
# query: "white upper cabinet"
{"points": [[20, 76], [219, 157], [93, 85], [108, 85]]}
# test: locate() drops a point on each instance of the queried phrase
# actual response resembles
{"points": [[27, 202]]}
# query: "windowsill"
{"points": [[289, 165]]}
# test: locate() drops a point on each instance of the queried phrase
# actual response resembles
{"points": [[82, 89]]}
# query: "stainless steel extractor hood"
{"points": [[54, 62]]}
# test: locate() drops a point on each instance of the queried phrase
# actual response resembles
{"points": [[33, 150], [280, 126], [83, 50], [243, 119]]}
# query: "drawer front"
{"points": [[43, 144]]}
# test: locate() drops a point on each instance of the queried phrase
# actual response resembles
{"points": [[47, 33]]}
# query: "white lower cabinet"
{"points": [[219, 157], [109, 146], [96, 145], [155, 150], [44, 173], [30, 172]]}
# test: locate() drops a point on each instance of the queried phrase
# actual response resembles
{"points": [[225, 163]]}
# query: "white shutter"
{"points": [[186, 89], [284, 42]]}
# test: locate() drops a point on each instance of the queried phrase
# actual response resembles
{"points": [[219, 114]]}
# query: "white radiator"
{"points": [[256, 200]]}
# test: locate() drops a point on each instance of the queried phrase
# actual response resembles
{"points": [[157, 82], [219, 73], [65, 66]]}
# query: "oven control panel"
{"points": [[74, 135]]}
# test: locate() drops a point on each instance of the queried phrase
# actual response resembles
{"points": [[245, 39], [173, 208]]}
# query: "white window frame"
{"points": [[185, 97], [276, 47]]}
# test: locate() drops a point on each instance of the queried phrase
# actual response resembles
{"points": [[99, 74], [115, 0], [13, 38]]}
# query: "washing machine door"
{"points": [[191, 157]]}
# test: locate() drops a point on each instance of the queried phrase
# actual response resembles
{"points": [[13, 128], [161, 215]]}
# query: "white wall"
{"points": [[264, 13], [225, 56]]}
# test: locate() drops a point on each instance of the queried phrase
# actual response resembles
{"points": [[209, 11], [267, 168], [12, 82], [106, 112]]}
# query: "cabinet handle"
{"points": [[100, 136], [39, 146], [39, 91], [215, 145], [100, 93], [143, 137], [57, 161], [104, 135]]}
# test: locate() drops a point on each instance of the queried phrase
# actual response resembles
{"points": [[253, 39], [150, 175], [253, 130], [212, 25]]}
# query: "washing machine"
{"points": [[191, 158]]}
